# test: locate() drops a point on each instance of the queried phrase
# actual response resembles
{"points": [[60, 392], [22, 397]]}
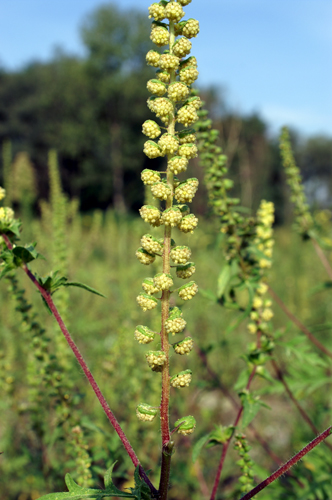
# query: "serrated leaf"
{"points": [[198, 447], [223, 280], [85, 287]]}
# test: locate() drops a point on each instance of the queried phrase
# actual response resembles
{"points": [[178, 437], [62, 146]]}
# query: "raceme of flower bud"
{"points": [[151, 215], [156, 87], [159, 35], [156, 360], [188, 291], [186, 425], [145, 412], [171, 216], [178, 164], [163, 281], [184, 271], [144, 257], [146, 302], [144, 335], [161, 190], [180, 254], [149, 177], [151, 244], [153, 58], [174, 11], [188, 223], [149, 286], [182, 47], [182, 379], [185, 346]]}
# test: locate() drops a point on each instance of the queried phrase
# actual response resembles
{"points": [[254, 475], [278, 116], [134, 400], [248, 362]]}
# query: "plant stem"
{"points": [[110, 415], [298, 323], [288, 464], [322, 257]]}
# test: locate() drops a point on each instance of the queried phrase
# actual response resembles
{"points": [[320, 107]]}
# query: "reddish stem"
{"points": [[288, 464], [111, 417]]}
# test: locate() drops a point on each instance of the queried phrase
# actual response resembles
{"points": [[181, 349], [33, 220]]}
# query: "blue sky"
{"points": [[269, 56]]}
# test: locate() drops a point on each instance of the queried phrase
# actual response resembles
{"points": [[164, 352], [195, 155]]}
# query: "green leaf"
{"points": [[223, 280], [321, 287], [251, 406], [221, 435], [208, 294], [27, 253], [85, 287], [198, 447]]}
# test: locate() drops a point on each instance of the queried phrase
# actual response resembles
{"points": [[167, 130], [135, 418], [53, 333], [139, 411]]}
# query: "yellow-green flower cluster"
{"points": [[182, 379]]}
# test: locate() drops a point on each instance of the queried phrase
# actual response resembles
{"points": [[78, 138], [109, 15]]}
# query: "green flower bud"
{"points": [[156, 360], [151, 129], [187, 115], [188, 74], [184, 2], [161, 190], [184, 346], [182, 379], [185, 192], [182, 47], [170, 62], [153, 58], [150, 214], [159, 35], [144, 257], [163, 281], [188, 291], [156, 87], [160, 105], [185, 270], [178, 164], [171, 216], [168, 143], [178, 91], [145, 412], [187, 136], [6, 215], [151, 244], [188, 223], [190, 28], [149, 287], [152, 150], [195, 102], [149, 177], [144, 335], [186, 425], [163, 76], [175, 323], [190, 61], [188, 150], [180, 254], [146, 302], [174, 11]]}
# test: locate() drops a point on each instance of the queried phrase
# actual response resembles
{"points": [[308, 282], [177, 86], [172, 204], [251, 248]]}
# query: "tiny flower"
{"points": [[157, 11], [152, 58], [6, 214], [257, 303], [171, 216], [150, 214], [149, 177], [149, 287], [151, 129], [187, 136], [262, 288], [146, 302], [144, 257], [168, 143], [2, 193], [178, 91], [151, 244], [170, 62], [252, 327], [175, 323], [188, 223], [184, 271], [254, 315], [144, 335], [156, 360], [163, 281], [188, 291], [174, 11], [160, 105], [145, 412], [163, 76], [190, 61], [156, 87], [159, 36], [178, 164], [195, 102], [161, 190], [182, 379], [184, 346], [186, 425], [185, 192], [187, 115], [182, 47], [188, 150], [180, 254], [264, 263], [190, 28], [188, 75], [152, 150], [267, 314]]}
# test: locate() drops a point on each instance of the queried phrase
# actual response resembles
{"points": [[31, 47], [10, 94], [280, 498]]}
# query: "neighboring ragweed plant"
{"points": [[173, 104]]}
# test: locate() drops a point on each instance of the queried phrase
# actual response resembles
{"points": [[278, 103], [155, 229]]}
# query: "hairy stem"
{"points": [[110, 415], [288, 464], [298, 323]]}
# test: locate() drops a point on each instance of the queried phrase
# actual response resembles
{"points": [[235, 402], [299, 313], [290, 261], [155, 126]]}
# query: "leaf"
{"points": [[221, 435], [27, 253], [223, 280], [247, 310], [85, 287], [251, 406], [208, 294], [198, 447], [321, 287]]}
